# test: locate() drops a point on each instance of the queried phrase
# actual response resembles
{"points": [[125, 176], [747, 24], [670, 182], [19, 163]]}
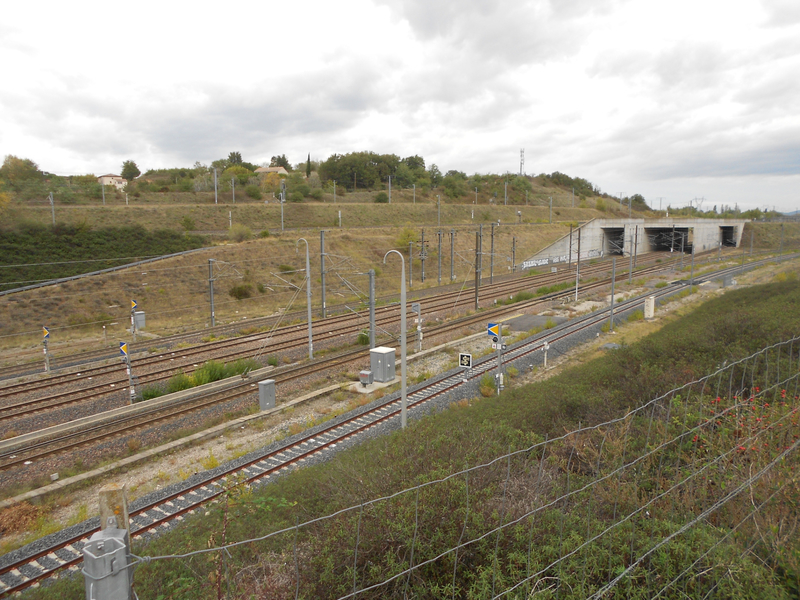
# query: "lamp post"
{"points": [[308, 298], [403, 399]]}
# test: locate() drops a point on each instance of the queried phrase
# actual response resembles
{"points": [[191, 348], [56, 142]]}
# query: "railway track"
{"points": [[30, 566], [389, 317]]}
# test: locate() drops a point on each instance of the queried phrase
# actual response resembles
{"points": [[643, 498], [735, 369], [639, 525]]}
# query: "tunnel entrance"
{"points": [[668, 239], [613, 241], [728, 234]]}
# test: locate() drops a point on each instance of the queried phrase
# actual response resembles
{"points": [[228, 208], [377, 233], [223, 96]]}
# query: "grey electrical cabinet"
{"points": [[138, 319], [381, 362], [266, 394]]}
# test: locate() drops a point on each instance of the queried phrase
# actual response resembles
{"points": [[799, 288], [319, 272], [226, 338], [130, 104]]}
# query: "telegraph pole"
{"points": [[372, 308], [211, 287], [452, 255], [513, 255], [491, 258], [477, 267], [578, 266], [422, 253], [410, 264], [322, 269], [440, 257]]}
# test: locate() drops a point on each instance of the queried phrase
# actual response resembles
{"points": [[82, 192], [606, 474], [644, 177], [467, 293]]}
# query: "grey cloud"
{"points": [[782, 13], [512, 31]]}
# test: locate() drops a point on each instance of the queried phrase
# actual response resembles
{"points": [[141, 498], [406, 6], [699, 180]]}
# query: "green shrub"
{"points": [[600, 205], [636, 315], [188, 223], [363, 337], [211, 370], [242, 365], [264, 233], [253, 192], [272, 361], [549, 324], [239, 233], [285, 268], [302, 189], [487, 386], [382, 198], [661, 284], [179, 381], [241, 291], [151, 391], [317, 194], [295, 197]]}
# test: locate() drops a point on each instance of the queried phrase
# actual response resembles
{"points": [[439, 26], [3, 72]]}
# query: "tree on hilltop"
{"points": [[130, 171], [17, 171], [235, 158], [280, 161]]}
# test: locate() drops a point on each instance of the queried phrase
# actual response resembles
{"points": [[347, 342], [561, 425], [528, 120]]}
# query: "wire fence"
{"points": [[692, 494]]}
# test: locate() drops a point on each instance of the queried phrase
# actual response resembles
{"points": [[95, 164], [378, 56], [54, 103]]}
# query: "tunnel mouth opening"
{"points": [[728, 236], [668, 239], [613, 241]]}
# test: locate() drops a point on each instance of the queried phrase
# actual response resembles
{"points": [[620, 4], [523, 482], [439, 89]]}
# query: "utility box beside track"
{"points": [[381, 361], [266, 394]]}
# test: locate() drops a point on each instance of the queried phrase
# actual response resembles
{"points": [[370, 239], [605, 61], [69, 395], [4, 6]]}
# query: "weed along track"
{"points": [[29, 407], [30, 565]]}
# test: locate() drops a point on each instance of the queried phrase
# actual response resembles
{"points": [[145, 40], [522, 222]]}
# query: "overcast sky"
{"points": [[674, 100]]}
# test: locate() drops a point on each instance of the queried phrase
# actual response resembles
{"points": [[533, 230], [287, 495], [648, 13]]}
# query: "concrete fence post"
{"points": [[106, 556]]}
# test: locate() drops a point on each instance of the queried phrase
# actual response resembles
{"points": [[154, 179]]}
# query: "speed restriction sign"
{"points": [[465, 360]]}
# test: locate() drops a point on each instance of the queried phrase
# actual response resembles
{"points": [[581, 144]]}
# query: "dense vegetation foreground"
{"points": [[696, 495]]}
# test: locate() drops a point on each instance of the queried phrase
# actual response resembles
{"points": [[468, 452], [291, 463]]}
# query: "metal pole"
{"points": [[630, 267], [403, 398], [683, 239], [452, 255], [131, 389], [513, 255], [477, 267], [283, 199], [211, 288], [46, 358], [691, 276], [578, 266], [410, 264], [491, 258], [372, 308], [613, 280], [635, 246], [440, 257], [476, 195], [133, 323], [569, 263], [480, 253], [438, 211], [322, 269], [500, 359], [215, 186], [422, 253], [308, 299], [53, 208]]}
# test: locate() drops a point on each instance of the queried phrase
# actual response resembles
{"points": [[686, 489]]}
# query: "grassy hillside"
{"points": [[727, 554], [33, 253]]}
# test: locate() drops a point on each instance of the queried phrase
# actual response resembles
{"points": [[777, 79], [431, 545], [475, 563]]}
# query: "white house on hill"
{"points": [[115, 180]]}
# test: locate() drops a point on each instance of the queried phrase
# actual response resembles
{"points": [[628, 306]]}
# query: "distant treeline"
{"points": [[32, 253]]}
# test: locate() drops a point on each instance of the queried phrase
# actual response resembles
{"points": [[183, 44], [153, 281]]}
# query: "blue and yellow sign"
{"points": [[134, 305], [493, 330], [123, 348], [45, 333]]}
